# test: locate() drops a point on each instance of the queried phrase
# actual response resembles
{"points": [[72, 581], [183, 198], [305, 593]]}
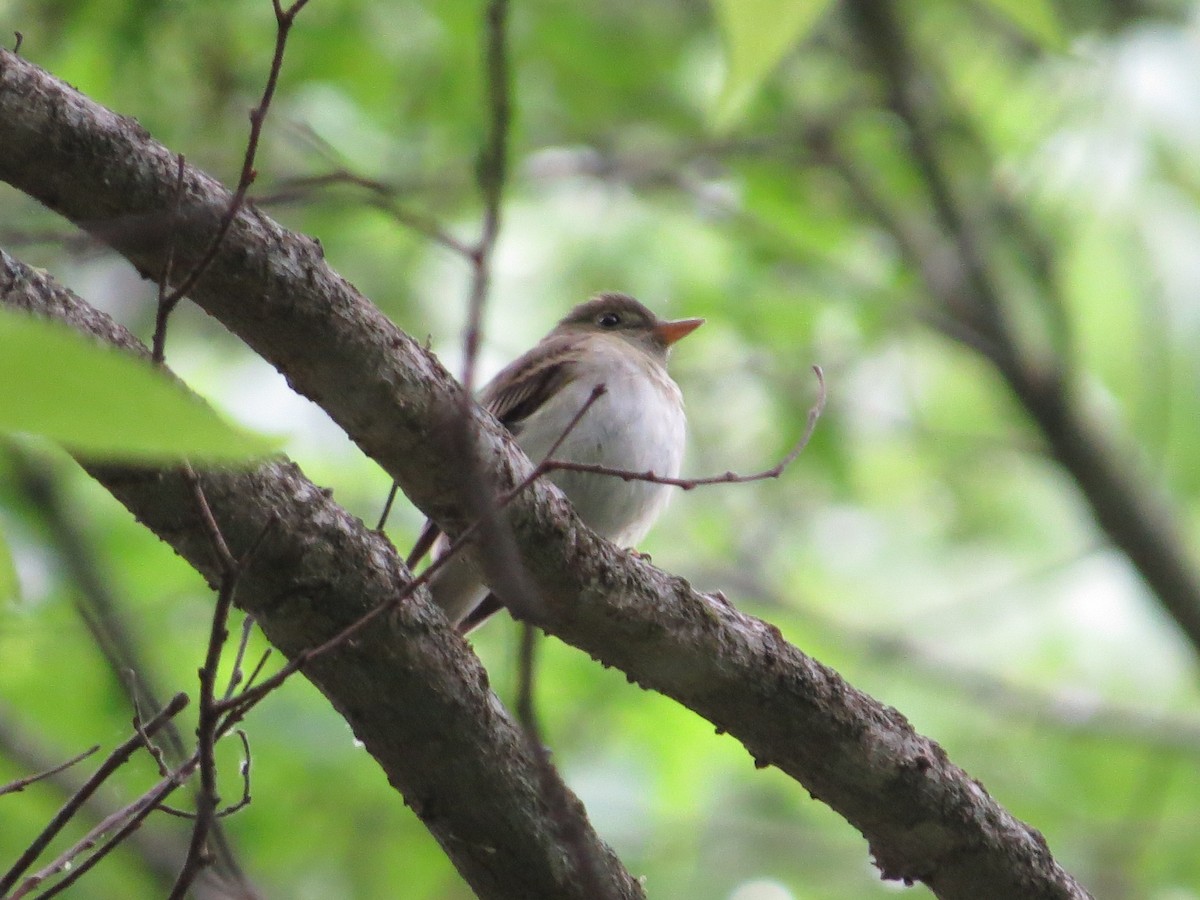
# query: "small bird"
{"points": [[636, 425]]}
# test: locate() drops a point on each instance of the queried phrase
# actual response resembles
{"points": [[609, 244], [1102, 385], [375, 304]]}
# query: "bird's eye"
{"points": [[609, 320]]}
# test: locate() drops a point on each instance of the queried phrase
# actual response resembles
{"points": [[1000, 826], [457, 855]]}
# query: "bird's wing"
{"points": [[512, 396], [523, 386]]}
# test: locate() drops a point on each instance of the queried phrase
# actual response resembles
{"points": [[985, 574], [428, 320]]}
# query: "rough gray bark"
{"points": [[410, 688], [925, 819]]}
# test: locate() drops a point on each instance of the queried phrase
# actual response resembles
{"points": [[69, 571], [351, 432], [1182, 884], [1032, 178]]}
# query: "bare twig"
{"points": [[115, 760], [133, 814], [232, 808], [492, 172], [257, 670], [21, 783], [246, 763], [207, 728], [687, 484], [284, 19], [381, 196], [235, 677], [152, 748], [168, 300], [387, 508]]}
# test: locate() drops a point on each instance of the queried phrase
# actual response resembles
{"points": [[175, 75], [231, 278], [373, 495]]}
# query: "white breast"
{"points": [[637, 425]]}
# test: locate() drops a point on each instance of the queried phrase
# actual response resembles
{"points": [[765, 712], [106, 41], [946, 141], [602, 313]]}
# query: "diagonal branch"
{"points": [[408, 686], [925, 818], [158, 852], [67, 811]]}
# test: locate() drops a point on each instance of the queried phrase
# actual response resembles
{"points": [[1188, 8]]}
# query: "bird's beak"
{"points": [[670, 332]]}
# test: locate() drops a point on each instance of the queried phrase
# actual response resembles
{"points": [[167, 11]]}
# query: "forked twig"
{"points": [[284, 20], [208, 730], [133, 814], [114, 761]]}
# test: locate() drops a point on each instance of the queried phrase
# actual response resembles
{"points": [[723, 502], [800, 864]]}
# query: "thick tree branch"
{"points": [[924, 818], [408, 686]]}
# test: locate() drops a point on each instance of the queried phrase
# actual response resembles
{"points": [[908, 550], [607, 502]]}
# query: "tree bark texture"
{"points": [[924, 818]]}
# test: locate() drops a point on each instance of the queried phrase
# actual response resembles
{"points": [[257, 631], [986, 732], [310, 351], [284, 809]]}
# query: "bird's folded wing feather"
{"points": [[521, 388], [512, 396]]}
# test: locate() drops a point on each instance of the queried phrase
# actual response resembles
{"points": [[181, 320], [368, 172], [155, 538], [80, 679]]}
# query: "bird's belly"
{"points": [[637, 425]]}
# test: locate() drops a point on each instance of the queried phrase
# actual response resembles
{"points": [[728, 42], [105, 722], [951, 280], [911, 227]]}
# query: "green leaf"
{"points": [[1036, 18], [757, 33], [105, 403], [10, 586]]}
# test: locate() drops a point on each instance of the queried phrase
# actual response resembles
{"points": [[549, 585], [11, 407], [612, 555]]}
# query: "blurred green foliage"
{"points": [[924, 545], [82, 401]]}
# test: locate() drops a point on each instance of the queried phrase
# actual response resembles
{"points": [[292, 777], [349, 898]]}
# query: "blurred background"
{"points": [[965, 212]]}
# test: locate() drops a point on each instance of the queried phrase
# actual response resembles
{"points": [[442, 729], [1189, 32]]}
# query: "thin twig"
{"points": [[284, 20], [597, 392], [687, 484], [235, 677], [152, 748], [115, 760], [257, 670], [20, 784], [225, 561], [387, 506], [207, 728], [246, 762], [492, 172], [167, 301], [228, 810], [135, 813]]}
